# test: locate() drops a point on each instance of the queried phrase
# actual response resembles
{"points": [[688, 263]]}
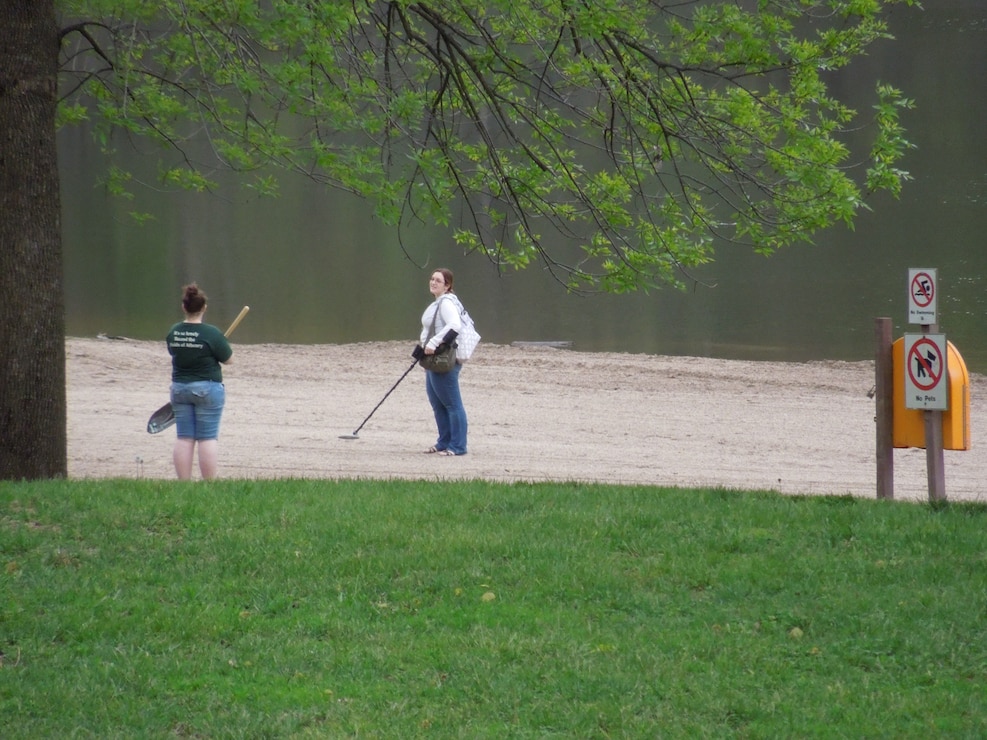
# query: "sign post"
{"points": [[884, 407], [926, 381]]}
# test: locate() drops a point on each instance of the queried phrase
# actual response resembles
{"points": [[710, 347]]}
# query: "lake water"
{"points": [[316, 268]]}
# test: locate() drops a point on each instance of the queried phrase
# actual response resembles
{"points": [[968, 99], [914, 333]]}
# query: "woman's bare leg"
{"points": [[208, 458], [183, 454]]}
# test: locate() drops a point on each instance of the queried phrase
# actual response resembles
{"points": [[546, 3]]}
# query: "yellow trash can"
{"points": [[908, 425]]}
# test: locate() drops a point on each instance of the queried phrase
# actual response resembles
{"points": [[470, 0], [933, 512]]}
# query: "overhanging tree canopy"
{"points": [[643, 132], [616, 141]]}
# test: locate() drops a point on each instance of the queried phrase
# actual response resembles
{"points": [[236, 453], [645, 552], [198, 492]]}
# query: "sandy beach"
{"points": [[536, 413]]}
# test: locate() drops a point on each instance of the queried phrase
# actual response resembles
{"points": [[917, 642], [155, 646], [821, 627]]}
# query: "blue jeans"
{"points": [[198, 408], [447, 404]]}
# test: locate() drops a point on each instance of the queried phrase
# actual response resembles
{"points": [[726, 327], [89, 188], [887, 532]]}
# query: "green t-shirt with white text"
{"points": [[196, 351]]}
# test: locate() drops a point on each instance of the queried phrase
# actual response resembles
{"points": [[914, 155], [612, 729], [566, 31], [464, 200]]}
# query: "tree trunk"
{"points": [[33, 436]]}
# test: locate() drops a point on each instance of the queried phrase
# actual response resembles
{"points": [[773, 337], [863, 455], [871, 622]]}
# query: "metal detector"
{"points": [[355, 434]]}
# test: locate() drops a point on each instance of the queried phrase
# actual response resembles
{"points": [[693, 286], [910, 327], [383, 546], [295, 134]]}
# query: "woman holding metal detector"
{"points": [[197, 392], [441, 324]]}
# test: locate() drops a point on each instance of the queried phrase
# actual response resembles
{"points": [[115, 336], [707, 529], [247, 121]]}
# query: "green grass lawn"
{"points": [[255, 609]]}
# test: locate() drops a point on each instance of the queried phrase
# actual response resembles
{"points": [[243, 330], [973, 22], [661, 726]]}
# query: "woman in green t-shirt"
{"points": [[197, 392]]}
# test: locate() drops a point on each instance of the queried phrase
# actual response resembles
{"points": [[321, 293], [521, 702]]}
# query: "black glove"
{"points": [[418, 352]]}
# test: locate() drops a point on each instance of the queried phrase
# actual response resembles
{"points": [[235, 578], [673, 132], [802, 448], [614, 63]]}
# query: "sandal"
{"points": [[445, 453], [432, 450]]}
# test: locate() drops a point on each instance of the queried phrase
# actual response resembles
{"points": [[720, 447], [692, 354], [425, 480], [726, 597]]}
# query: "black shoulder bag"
{"points": [[444, 358]]}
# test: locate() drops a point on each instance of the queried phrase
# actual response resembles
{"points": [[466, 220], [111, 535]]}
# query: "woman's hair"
{"points": [[447, 276], [193, 299]]}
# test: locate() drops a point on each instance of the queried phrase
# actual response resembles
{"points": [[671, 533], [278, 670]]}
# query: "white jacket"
{"points": [[449, 317]]}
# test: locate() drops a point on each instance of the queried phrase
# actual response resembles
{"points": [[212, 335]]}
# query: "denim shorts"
{"points": [[198, 408]]}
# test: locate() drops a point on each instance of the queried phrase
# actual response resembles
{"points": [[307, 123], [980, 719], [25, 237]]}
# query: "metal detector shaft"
{"points": [[356, 431]]}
